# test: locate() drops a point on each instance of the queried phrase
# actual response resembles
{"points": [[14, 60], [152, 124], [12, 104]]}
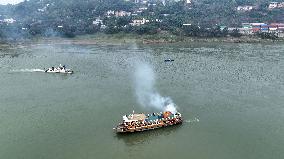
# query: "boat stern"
{"points": [[119, 129]]}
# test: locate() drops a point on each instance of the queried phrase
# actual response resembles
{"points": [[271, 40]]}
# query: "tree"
{"points": [[149, 28], [266, 35], [191, 30], [235, 33]]}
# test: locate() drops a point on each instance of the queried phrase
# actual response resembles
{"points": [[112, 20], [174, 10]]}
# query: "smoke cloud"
{"points": [[146, 93]]}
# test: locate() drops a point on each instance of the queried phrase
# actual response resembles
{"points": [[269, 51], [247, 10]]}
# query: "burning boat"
{"points": [[143, 122]]}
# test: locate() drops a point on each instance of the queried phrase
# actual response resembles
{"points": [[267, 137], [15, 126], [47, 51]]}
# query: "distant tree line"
{"points": [[69, 18]]}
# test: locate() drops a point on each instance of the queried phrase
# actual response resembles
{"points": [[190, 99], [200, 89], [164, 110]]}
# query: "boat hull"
{"points": [[68, 72], [122, 128]]}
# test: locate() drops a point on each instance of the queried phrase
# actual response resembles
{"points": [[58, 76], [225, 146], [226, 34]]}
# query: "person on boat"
{"points": [[60, 67]]}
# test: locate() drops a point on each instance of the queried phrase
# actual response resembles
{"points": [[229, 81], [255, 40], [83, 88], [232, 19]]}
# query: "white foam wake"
{"points": [[29, 70], [192, 120]]}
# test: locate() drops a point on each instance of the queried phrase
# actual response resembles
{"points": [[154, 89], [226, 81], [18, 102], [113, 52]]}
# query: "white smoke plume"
{"points": [[145, 90]]}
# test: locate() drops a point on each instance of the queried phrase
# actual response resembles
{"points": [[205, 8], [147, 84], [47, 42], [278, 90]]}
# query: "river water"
{"points": [[230, 96]]}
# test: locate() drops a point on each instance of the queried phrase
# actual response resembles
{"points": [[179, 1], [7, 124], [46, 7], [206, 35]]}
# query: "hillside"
{"points": [[73, 17]]}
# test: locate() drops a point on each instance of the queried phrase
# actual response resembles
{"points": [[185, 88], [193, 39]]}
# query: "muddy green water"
{"points": [[236, 91]]}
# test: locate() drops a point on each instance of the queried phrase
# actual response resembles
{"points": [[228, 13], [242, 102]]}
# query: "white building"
{"points": [[144, 1], [281, 5], [122, 13], [274, 5], [9, 20], [110, 12], [138, 22], [143, 8], [244, 8], [98, 21]]}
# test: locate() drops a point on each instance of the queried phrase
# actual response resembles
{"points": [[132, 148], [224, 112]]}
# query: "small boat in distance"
{"points": [[60, 69], [143, 122], [169, 60]]}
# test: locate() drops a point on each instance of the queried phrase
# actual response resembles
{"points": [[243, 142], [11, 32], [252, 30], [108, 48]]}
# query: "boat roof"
{"points": [[137, 117], [150, 117]]}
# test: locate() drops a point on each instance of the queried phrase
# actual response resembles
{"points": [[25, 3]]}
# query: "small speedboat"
{"points": [[60, 69], [169, 60]]}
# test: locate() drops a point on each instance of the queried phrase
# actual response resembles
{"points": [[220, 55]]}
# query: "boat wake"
{"points": [[195, 120], [29, 70]]}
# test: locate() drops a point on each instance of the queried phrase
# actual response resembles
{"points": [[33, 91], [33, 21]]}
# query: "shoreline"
{"points": [[170, 38], [122, 38]]}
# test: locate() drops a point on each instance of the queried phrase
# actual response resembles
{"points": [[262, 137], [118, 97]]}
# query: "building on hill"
{"points": [[281, 5], [139, 1], [138, 22], [274, 5], [9, 20], [98, 21], [278, 27], [122, 13], [188, 1], [245, 8], [110, 13], [251, 28]]}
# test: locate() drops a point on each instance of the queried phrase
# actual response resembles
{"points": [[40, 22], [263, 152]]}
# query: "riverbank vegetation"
{"points": [[159, 38], [169, 21]]}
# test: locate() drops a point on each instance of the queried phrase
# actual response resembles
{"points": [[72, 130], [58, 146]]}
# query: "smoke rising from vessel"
{"points": [[146, 93]]}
